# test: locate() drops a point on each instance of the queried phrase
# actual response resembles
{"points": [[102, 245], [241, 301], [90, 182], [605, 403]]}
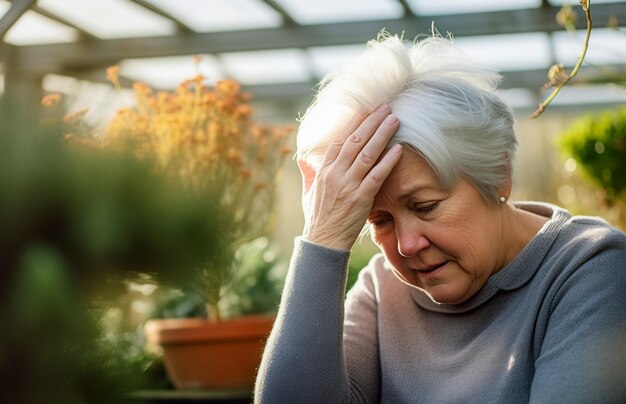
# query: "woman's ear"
{"points": [[507, 185], [308, 175]]}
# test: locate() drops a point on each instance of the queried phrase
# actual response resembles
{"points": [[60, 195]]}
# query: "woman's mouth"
{"points": [[432, 269]]}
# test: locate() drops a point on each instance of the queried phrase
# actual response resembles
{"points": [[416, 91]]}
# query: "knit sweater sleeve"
{"points": [[583, 351], [304, 359]]}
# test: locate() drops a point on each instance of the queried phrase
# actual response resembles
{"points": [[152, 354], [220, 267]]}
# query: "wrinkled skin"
{"points": [[338, 196]]}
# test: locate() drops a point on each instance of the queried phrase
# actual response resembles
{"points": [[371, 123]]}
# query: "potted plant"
{"points": [[205, 138]]}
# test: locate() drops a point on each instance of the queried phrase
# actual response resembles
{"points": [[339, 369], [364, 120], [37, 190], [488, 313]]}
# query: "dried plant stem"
{"points": [[547, 101]]}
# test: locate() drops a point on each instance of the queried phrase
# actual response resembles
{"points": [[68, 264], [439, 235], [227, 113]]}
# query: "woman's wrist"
{"points": [[327, 242]]}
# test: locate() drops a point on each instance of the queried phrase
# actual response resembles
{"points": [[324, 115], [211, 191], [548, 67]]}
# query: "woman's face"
{"points": [[445, 241]]}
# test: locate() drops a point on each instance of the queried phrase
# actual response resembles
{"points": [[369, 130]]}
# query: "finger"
{"points": [[355, 143], [333, 149], [376, 177], [369, 154]]}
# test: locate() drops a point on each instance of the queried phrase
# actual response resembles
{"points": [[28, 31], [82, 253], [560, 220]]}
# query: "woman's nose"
{"points": [[411, 241]]}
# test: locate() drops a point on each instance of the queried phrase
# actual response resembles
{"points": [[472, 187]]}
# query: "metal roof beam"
{"points": [[180, 26], [531, 79], [406, 7], [17, 9], [83, 34], [56, 58], [287, 18]]}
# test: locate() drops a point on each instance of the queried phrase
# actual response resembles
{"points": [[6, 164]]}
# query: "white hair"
{"points": [[447, 105]]}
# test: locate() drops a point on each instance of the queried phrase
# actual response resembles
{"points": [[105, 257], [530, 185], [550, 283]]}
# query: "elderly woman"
{"points": [[474, 298]]}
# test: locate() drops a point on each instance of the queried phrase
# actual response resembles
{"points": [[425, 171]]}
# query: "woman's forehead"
{"points": [[411, 176]]}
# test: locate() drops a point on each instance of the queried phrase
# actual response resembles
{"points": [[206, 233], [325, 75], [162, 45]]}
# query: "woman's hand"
{"points": [[338, 197]]}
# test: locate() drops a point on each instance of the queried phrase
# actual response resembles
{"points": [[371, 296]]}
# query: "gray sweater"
{"points": [[549, 327]]}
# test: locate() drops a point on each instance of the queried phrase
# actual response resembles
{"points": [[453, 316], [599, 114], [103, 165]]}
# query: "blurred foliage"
{"points": [[598, 145], [205, 137], [254, 288], [594, 151], [77, 223], [359, 258]]}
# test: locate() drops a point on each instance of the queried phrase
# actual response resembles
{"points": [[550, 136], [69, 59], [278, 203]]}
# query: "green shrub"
{"points": [[598, 144]]}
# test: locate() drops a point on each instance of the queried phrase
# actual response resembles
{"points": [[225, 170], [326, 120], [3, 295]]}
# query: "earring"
{"points": [[502, 199]]}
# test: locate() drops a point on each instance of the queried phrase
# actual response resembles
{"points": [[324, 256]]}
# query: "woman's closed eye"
{"points": [[379, 220], [423, 209]]}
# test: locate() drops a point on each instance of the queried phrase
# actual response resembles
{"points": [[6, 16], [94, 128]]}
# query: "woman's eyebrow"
{"points": [[414, 190]]}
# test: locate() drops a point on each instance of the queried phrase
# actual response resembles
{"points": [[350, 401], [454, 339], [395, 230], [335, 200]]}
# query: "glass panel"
{"points": [[326, 11], [581, 95], [167, 72], [520, 97], [327, 58], [221, 15], [429, 7], [576, 3], [606, 46], [102, 100], [35, 29], [511, 52], [109, 19], [272, 66]]}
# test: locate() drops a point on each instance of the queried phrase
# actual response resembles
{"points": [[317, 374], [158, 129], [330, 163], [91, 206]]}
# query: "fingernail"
{"points": [[396, 148], [384, 108], [391, 120]]}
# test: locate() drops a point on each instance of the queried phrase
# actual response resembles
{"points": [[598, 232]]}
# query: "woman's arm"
{"points": [[311, 357], [304, 360]]}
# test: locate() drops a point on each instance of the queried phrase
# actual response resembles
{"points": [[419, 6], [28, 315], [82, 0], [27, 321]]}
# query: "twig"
{"points": [[586, 4]]}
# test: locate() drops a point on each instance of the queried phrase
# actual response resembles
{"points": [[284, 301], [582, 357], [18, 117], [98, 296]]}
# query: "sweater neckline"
{"points": [[517, 272]]}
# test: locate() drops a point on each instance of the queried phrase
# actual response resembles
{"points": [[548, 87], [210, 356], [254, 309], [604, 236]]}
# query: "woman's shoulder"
{"points": [[594, 233], [590, 250], [572, 231], [574, 247]]}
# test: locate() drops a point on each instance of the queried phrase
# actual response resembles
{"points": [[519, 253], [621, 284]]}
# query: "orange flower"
{"points": [[233, 156], [227, 87], [75, 115], [206, 137], [142, 88], [199, 79], [243, 110], [257, 132], [50, 99], [113, 73]]}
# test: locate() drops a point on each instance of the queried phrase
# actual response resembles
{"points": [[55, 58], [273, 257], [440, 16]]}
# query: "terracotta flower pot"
{"points": [[202, 355]]}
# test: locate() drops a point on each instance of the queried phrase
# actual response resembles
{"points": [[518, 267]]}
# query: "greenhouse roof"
{"points": [[281, 48]]}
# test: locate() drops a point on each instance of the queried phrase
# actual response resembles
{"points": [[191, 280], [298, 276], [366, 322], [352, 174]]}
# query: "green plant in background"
{"points": [[255, 288], [359, 258], [77, 224], [597, 142]]}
